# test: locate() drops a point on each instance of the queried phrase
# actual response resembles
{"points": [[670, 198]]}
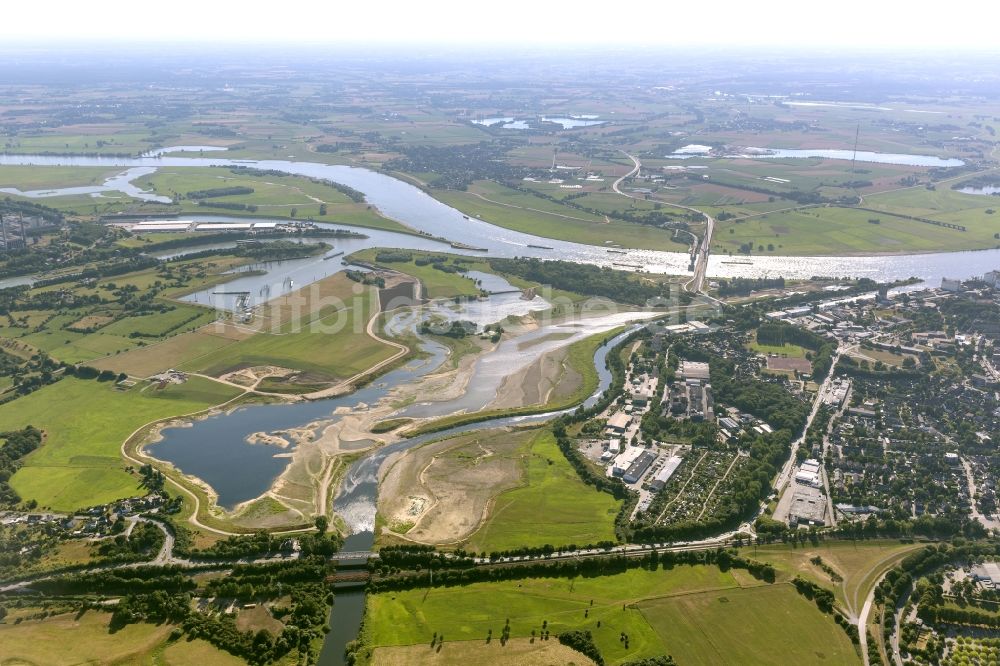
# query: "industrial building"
{"points": [[808, 507], [987, 573], [694, 370], [948, 284], [618, 423], [614, 448], [639, 467], [663, 475], [809, 474], [625, 459], [643, 391]]}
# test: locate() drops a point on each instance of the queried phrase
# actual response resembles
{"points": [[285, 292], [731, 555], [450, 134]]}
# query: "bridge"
{"points": [[355, 555]]}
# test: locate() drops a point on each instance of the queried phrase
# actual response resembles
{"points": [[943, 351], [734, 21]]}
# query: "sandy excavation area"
{"points": [[547, 379], [433, 497], [441, 492]]}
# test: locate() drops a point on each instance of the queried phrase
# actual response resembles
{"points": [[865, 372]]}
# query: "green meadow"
{"points": [[552, 506], [85, 422]]}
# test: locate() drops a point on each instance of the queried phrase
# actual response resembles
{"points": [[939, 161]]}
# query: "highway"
{"points": [[699, 253]]}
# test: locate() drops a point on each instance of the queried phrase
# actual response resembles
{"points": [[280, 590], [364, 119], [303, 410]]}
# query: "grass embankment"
{"points": [[580, 358], [85, 422], [534, 215], [661, 611], [86, 639], [389, 425], [319, 330], [552, 506]]}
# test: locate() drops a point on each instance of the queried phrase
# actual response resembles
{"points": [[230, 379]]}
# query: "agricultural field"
{"points": [[273, 196], [79, 463], [757, 625], [849, 231], [83, 321], [516, 652], [44, 642], [653, 608], [155, 358], [515, 210], [104, 139]]}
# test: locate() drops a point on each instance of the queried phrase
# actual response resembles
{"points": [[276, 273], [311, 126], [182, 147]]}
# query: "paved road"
{"points": [[633, 172], [700, 252], [785, 476], [987, 522], [697, 283], [863, 621]]}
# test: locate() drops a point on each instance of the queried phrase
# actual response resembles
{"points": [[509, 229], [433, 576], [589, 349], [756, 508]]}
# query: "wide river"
{"points": [[417, 209], [207, 448]]}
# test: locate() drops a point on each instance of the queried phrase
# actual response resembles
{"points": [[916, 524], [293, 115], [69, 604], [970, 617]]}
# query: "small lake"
{"points": [[988, 190], [207, 448], [572, 122], [566, 122], [696, 150], [862, 156]]}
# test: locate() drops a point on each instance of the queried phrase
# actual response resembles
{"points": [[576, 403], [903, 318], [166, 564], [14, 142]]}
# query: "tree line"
{"points": [[17, 444], [584, 279], [587, 567]]}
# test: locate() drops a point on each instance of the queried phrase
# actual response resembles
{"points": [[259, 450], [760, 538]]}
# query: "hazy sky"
{"points": [[848, 23]]}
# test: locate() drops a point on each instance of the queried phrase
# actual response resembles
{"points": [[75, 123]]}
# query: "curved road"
{"points": [[699, 253]]}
